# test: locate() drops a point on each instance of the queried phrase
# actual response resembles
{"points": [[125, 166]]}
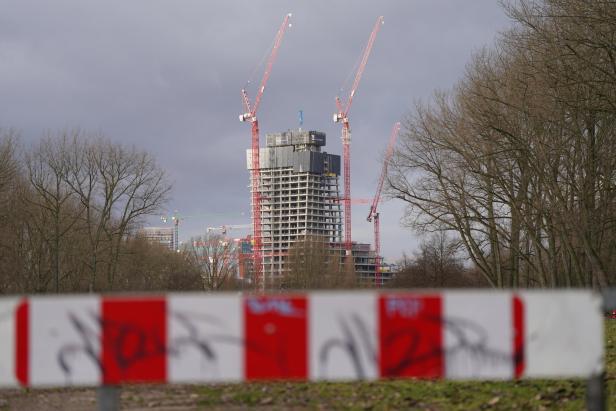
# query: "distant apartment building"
{"points": [[364, 261], [165, 236], [244, 258]]}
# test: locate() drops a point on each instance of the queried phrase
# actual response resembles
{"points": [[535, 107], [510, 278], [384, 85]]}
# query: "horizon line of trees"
{"points": [[70, 205]]}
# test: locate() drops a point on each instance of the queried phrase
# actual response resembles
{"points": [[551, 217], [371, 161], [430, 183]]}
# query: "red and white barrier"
{"points": [[180, 338]]}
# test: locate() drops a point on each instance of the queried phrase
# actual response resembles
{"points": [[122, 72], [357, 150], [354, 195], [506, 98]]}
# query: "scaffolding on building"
{"points": [[299, 192], [300, 200]]}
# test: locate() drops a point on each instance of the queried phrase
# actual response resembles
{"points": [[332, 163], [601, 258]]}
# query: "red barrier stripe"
{"points": [[22, 342], [411, 336], [518, 336], [276, 333], [134, 340]]}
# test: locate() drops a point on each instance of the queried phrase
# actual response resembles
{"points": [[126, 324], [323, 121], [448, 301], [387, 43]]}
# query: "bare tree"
{"points": [[519, 158], [216, 258], [437, 264], [116, 186], [67, 208], [313, 264], [55, 207], [144, 266], [11, 252], [9, 165]]}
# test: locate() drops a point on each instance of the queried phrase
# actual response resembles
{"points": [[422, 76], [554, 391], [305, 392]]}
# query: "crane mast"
{"points": [[374, 214], [341, 116], [250, 114]]}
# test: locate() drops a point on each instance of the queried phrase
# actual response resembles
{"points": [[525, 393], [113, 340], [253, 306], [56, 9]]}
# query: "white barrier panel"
{"points": [[564, 334], [8, 307], [343, 336], [478, 331], [64, 341], [182, 338], [205, 338]]}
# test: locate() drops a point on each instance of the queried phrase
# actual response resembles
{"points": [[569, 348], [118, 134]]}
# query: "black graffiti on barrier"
{"points": [[351, 343], [147, 345], [411, 340], [89, 341], [469, 341]]}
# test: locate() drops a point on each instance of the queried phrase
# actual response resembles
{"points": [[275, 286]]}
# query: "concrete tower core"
{"points": [[299, 195]]}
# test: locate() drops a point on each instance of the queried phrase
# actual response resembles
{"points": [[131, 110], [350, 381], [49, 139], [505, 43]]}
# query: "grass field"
{"points": [[383, 395]]}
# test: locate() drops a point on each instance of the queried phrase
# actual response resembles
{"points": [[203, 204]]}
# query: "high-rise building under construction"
{"points": [[299, 195]]}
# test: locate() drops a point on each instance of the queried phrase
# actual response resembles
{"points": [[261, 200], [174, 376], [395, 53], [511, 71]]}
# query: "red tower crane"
{"points": [[251, 115], [342, 117], [374, 214]]}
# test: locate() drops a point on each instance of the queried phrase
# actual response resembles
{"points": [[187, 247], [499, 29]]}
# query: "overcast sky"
{"points": [[166, 76]]}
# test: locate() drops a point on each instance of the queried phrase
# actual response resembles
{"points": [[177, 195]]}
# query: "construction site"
{"points": [[299, 193], [300, 201], [295, 188]]}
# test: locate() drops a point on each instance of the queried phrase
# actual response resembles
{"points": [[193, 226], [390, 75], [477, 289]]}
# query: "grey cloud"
{"points": [[166, 76]]}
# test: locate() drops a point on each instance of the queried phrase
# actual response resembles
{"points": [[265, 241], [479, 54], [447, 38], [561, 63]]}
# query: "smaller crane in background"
{"points": [[342, 116], [176, 218], [374, 214], [228, 227]]}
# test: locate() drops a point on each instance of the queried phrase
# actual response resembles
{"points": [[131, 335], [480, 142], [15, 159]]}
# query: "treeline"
{"points": [[437, 263], [312, 264], [519, 159], [69, 208]]}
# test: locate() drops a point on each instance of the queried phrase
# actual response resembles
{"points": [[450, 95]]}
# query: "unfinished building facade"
{"points": [[299, 195]]}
